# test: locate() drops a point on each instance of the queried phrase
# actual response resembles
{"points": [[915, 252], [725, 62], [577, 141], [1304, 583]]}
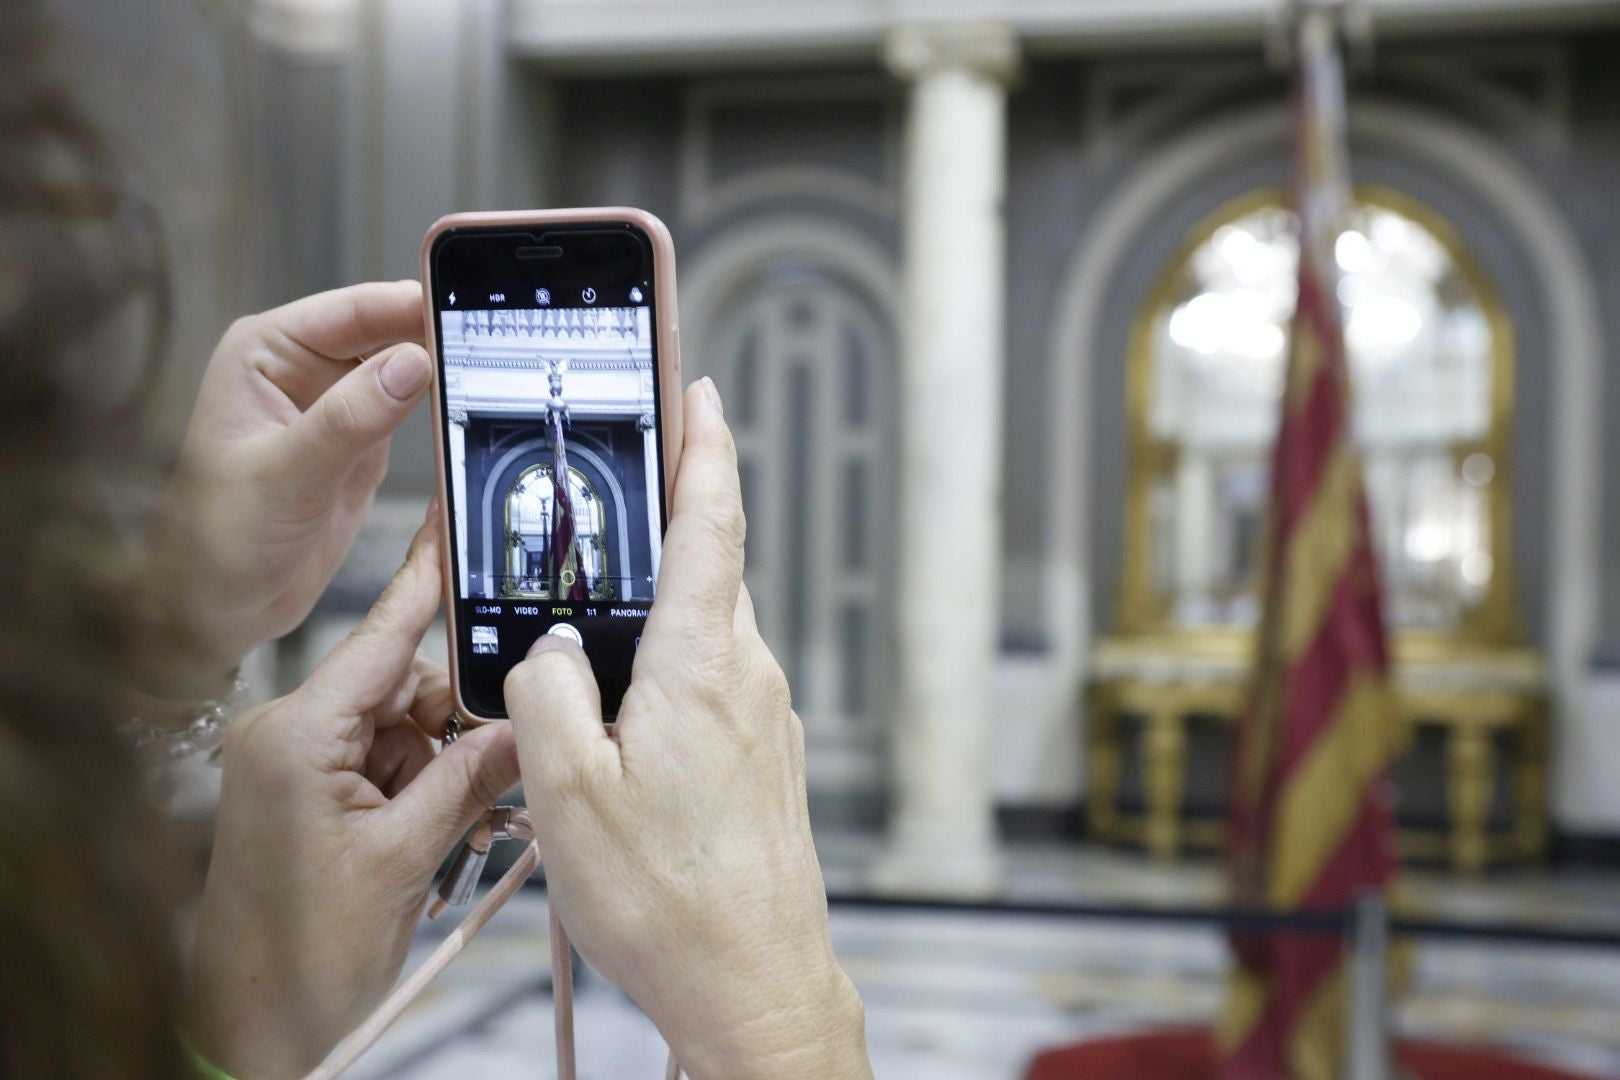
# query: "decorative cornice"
{"points": [[531, 362], [708, 35], [575, 324], [918, 50]]}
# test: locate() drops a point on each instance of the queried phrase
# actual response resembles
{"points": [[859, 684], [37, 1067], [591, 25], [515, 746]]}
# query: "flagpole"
{"points": [[1311, 821], [1352, 19], [1366, 1018], [1345, 27]]}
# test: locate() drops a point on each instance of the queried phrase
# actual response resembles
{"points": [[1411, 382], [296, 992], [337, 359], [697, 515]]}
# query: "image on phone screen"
{"points": [[551, 431]]}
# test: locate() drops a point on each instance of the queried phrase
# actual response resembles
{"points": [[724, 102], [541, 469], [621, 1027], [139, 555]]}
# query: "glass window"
{"points": [[1430, 366]]}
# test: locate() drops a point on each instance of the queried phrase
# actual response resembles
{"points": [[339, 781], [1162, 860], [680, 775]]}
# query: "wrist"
{"points": [[247, 1043], [819, 1029], [196, 577], [246, 1010], [200, 1065]]}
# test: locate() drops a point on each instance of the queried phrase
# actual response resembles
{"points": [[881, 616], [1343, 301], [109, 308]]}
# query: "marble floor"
{"points": [[957, 995]]}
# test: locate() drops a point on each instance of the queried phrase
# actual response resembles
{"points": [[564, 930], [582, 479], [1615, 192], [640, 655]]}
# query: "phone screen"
{"points": [[549, 394]]}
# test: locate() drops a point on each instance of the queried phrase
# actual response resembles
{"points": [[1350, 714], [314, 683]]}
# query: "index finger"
{"points": [[344, 323], [368, 665], [701, 568]]}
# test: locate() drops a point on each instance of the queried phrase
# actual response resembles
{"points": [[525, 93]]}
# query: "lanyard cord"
{"points": [[562, 966]]}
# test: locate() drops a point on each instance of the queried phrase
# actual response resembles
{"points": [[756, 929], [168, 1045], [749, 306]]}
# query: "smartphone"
{"points": [[557, 427]]}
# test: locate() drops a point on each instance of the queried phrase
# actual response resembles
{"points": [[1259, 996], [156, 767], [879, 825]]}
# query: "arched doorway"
{"points": [[1560, 283], [1430, 351], [803, 354], [529, 530]]}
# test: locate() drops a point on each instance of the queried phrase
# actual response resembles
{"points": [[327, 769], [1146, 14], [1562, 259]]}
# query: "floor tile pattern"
{"points": [[972, 996]]}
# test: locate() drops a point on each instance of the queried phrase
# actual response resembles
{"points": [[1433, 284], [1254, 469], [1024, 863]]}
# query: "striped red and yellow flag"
{"points": [[1311, 819]]}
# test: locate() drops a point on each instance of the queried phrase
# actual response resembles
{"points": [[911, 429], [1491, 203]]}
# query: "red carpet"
{"points": [[1187, 1055]]}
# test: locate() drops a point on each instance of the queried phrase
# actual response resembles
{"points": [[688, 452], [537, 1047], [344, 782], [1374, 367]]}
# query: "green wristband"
{"points": [[205, 1069]]}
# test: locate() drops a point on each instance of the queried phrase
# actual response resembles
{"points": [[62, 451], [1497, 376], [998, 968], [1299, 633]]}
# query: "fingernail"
{"points": [[405, 373], [711, 396], [550, 643]]}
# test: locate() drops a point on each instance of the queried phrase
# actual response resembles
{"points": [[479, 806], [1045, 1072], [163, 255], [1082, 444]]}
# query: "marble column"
{"points": [[299, 70], [942, 836], [458, 467], [655, 524]]}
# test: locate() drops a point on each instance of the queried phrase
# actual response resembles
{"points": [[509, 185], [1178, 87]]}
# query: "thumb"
{"points": [[556, 712], [360, 410], [438, 807]]}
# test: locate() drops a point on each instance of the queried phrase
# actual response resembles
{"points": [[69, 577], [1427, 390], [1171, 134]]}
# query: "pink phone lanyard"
{"points": [[515, 824]]}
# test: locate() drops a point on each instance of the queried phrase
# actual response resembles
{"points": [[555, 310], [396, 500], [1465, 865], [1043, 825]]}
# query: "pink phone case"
{"points": [[669, 372]]}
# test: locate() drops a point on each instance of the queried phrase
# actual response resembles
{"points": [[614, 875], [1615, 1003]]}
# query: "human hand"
{"points": [[677, 846], [286, 447], [334, 816]]}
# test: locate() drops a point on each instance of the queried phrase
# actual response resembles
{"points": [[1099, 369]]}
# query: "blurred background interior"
{"points": [[1134, 293]]}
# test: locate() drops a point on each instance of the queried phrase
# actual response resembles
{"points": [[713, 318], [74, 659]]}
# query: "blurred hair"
{"points": [[88, 964]]}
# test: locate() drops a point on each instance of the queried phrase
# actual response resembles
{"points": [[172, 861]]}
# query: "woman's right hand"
{"points": [[677, 847]]}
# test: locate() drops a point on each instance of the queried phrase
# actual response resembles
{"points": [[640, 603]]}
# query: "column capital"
{"points": [[917, 50], [458, 415], [311, 28]]}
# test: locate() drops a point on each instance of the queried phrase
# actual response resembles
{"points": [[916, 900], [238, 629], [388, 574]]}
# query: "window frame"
{"points": [[1142, 610]]}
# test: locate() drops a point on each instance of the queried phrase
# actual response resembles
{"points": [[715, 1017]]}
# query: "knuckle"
{"points": [[480, 782], [774, 687], [374, 626], [566, 778], [541, 682], [711, 668], [728, 521], [796, 742], [241, 329], [520, 687], [343, 417], [733, 522], [359, 311]]}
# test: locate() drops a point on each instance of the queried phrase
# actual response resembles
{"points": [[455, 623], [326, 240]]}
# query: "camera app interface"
{"points": [[552, 446]]}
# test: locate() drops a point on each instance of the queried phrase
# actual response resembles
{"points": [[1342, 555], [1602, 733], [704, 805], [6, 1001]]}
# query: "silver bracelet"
{"points": [[203, 733]]}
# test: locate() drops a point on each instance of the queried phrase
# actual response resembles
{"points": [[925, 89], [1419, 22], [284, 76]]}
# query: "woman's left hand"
{"points": [[334, 816], [286, 447]]}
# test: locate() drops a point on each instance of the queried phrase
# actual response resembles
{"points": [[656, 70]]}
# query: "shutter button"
{"points": [[565, 630]]}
